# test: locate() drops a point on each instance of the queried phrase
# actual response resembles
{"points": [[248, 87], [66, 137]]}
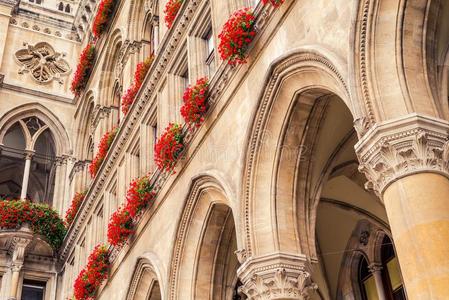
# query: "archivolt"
{"points": [[318, 71], [61, 139], [146, 278]]}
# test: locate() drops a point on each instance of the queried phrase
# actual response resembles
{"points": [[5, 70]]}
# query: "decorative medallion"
{"points": [[42, 62]]}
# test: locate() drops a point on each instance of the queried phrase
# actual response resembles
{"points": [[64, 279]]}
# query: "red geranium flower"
{"points": [[120, 227], [195, 103], [74, 207], [237, 33], [275, 3], [83, 70], [171, 10], [42, 219], [103, 148], [168, 147], [130, 95], [92, 276], [103, 17]]}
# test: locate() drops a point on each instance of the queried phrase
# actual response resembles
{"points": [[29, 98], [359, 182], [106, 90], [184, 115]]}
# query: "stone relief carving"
{"points": [[398, 148], [42, 62]]}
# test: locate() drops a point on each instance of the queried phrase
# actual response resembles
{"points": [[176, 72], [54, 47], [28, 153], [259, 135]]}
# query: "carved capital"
{"points": [[375, 267], [398, 148], [276, 276]]}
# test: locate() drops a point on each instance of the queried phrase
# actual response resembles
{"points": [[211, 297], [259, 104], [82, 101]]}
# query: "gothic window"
{"points": [[28, 146], [61, 6], [210, 52], [367, 281], [67, 8]]}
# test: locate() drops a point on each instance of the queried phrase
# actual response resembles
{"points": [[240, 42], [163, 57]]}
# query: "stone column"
{"points": [[155, 33], [26, 174], [406, 164], [376, 270], [278, 276], [19, 245]]}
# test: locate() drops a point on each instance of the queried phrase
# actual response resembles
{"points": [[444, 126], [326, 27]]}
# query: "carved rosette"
{"points": [[277, 276], [398, 148]]}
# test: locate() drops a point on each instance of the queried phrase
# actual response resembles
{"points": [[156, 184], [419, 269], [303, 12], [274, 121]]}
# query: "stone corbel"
{"points": [[276, 276], [401, 147]]}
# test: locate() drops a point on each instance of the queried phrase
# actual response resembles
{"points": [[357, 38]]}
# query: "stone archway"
{"points": [[205, 245], [146, 282]]}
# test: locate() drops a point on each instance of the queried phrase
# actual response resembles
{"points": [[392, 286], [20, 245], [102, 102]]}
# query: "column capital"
{"points": [[397, 148], [276, 276], [375, 267]]}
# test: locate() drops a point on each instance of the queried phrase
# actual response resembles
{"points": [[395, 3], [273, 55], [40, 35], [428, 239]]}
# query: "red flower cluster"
{"points": [[93, 275], [168, 147], [103, 16], [237, 33], [171, 10], [195, 103], [103, 148], [275, 3], [130, 95], [138, 196], [74, 207], [82, 73], [41, 219]]}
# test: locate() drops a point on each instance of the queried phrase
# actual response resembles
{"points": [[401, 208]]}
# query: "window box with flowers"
{"points": [[171, 11], [169, 147], [195, 103], [74, 207], [103, 17], [83, 69], [237, 33], [93, 275], [42, 220], [130, 95], [103, 148], [275, 3], [138, 197]]}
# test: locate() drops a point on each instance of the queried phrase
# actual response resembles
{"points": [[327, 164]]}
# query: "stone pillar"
{"points": [[406, 164], [155, 33], [376, 270], [278, 276], [26, 174], [19, 245]]}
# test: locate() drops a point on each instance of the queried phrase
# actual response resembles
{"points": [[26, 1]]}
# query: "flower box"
{"points": [[169, 147], [195, 103], [103, 148], [83, 69]]}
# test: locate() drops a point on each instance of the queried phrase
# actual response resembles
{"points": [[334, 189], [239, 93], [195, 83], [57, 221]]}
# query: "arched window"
{"points": [[28, 161], [391, 273], [67, 8], [389, 283], [61, 6]]}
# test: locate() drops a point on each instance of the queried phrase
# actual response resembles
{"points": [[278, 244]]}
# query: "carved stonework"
{"points": [[277, 276], [42, 62], [398, 148]]}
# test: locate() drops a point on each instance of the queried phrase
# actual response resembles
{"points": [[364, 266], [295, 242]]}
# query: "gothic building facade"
{"points": [[319, 169]]}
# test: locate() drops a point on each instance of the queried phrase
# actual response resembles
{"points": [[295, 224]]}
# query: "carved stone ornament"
{"points": [[277, 276], [42, 62], [398, 148]]}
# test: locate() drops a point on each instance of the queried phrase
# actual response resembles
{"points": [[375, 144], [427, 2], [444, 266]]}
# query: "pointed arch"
{"points": [[147, 282], [63, 144]]}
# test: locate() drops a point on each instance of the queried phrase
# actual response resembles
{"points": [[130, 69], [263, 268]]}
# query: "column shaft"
{"points": [[26, 177]]}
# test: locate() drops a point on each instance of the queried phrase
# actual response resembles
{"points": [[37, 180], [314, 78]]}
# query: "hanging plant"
{"points": [[93, 275], [120, 227], [121, 224], [74, 207], [275, 3], [171, 11], [195, 103], [83, 69], [130, 95], [168, 147], [42, 219], [103, 17], [237, 33], [103, 148]]}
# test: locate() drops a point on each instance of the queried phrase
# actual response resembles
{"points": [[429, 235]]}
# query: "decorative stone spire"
{"points": [[276, 276], [398, 148]]}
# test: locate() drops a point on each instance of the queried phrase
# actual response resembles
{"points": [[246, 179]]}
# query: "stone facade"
{"points": [[320, 171]]}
